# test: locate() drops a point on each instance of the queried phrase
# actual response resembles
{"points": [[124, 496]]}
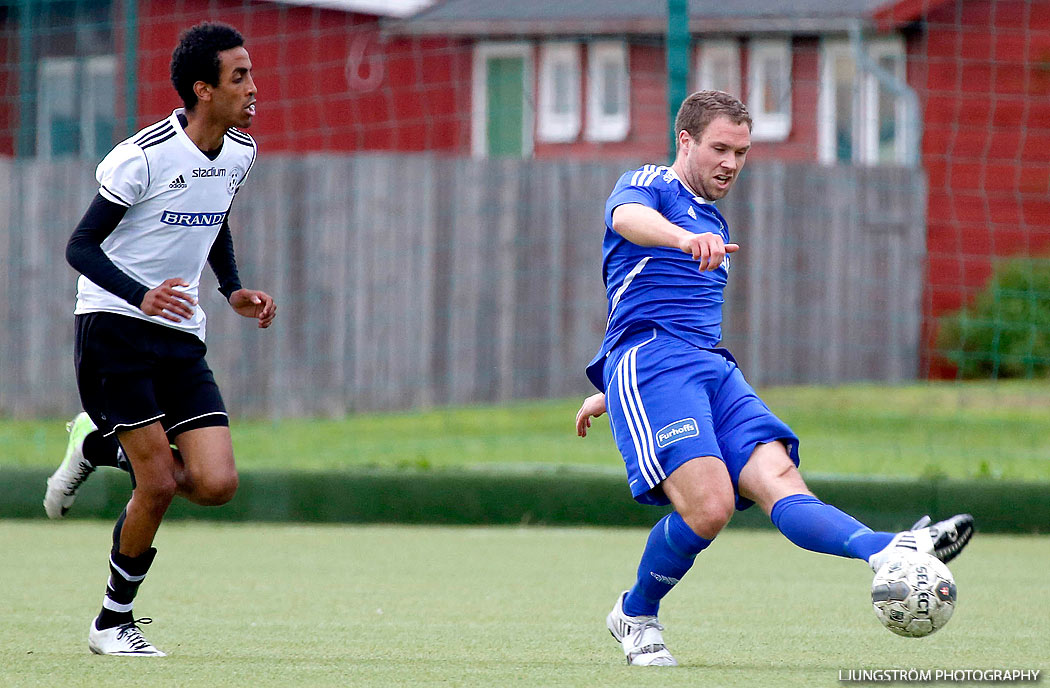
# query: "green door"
{"points": [[506, 106]]}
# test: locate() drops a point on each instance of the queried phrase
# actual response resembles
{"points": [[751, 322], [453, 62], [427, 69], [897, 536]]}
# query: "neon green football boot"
{"points": [[63, 484]]}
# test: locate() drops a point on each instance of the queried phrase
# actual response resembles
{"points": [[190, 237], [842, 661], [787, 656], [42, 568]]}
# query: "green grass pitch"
{"points": [[265, 605]]}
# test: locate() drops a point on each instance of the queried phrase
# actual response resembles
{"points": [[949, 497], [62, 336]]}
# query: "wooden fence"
{"points": [[416, 280]]}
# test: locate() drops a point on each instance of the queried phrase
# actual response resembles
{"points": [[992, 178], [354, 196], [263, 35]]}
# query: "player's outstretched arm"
{"points": [[593, 406], [256, 304], [645, 226]]}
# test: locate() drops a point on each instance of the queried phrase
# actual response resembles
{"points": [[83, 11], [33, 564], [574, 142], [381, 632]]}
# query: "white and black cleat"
{"points": [[944, 539], [641, 637], [125, 640]]}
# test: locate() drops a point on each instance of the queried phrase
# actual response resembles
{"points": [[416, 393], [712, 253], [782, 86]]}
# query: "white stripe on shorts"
{"points": [[654, 463], [183, 422], [637, 419], [119, 427], [628, 413]]}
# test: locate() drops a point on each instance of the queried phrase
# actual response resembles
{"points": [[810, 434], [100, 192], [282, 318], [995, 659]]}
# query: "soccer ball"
{"points": [[913, 594]]}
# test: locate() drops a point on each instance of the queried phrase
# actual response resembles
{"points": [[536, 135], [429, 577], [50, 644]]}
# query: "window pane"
{"points": [[845, 74], [65, 136], [608, 115], [719, 67], [887, 109], [101, 96], [58, 108], [611, 78], [774, 90], [719, 71], [562, 85]]}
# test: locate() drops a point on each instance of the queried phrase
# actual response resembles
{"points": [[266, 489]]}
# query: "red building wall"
{"points": [[327, 80], [649, 139], [9, 99], [983, 73]]}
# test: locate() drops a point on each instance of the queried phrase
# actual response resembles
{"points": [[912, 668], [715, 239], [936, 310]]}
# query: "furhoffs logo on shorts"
{"points": [[678, 430]]}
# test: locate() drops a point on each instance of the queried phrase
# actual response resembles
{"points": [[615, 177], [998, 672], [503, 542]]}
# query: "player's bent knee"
{"points": [[708, 517], [157, 493], [216, 490]]}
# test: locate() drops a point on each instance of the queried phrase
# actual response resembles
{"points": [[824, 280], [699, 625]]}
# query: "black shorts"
{"points": [[132, 372]]}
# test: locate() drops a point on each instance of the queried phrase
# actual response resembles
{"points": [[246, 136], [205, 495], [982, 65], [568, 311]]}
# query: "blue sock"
{"points": [[668, 554], [819, 527]]}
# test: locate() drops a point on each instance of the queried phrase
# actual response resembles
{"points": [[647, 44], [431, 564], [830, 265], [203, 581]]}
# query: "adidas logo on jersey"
{"points": [[691, 212], [179, 183]]}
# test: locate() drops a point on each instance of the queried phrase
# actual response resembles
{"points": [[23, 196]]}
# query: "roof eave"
{"points": [[459, 28], [894, 15], [630, 27]]}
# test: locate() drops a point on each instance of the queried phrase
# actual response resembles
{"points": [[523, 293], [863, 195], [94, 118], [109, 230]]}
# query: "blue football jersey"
{"points": [[656, 286]]}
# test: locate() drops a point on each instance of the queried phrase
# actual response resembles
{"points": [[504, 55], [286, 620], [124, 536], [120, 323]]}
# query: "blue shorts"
{"points": [[670, 401]]}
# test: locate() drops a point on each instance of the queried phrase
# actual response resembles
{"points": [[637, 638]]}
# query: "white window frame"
{"points": [[558, 127], [479, 95], [866, 103], [769, 125], [602, 126], [709, 53]]}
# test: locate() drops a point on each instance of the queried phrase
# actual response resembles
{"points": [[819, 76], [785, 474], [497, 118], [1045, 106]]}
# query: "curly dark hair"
{"points": [[196, 57]]}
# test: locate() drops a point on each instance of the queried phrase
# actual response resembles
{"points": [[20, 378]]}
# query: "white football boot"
{"points": [[63, 484], [125, 640], [944, 539], [640, 636]]}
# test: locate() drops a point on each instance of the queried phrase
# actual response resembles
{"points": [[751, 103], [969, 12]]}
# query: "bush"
{"points": [[1006, 332]]}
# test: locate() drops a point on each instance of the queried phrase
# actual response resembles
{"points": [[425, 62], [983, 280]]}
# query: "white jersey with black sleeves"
{"points": [[177, 200]]}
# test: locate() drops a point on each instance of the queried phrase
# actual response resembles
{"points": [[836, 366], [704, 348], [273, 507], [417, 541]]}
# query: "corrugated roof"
{"points": [[481, 17]]}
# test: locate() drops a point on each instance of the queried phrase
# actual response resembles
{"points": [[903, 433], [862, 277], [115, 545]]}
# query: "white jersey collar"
{"points": [[696, 197], [180, 133]]}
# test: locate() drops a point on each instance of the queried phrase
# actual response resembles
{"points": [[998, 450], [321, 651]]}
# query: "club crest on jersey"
{"points": [[170, 217], [234, 181], [678, 430]]}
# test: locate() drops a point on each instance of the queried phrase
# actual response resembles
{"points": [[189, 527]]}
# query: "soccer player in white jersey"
{"points": [[691, 430], [160, 214]]}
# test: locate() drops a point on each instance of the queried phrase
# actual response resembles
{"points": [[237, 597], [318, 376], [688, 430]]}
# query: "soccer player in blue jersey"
{"points": [[691, 430]]}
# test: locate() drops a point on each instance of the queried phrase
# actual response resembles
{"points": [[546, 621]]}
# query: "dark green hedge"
{"points": [[545, 496]]}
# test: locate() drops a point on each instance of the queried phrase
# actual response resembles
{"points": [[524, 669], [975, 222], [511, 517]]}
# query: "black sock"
{"points": [[125, 575], [100, 450]]}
